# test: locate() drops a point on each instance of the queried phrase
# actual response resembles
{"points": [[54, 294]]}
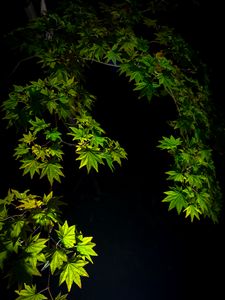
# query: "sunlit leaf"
{"points": [[52, 171], [90, 159], [170, 143], [176, 200], [16, 228], [193, 212], [66, 235], [31, 166], [36, 245], [61, 297], [85, 248], [72, 272], [29, 293], [59, 257]]}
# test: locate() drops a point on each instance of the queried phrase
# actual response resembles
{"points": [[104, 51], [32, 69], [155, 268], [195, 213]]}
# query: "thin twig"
{"points": [[20, 62], [49, 291], [68, 144], [103, 63]]}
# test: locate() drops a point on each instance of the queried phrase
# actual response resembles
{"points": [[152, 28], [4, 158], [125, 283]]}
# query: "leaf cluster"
{"points": [[34, 240]]}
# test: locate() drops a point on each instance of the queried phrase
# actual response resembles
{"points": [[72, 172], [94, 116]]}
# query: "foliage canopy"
{"points": [[56, 110]]}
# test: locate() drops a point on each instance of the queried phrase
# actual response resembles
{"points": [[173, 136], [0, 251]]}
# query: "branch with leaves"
{"points": [[56, 111]]}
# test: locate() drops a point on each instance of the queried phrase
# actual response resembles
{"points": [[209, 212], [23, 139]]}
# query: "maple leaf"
{"points": [[66, 235], [39, 152], [32, 260], [21, 150], [31, 166], [192, 211], [36, 245], [16, 228], [38, 125], [84, 247], [112, 56], [176, 200], [169, 143], [52, 171], [173, 175], [61, 297], [54, 151], [29, 203], [90, 159], [53, 135], [58, 258], [72, 272], [28, 138], [47, 198], [30, 293]]}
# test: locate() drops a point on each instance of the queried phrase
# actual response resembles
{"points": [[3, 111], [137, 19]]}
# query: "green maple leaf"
{"points": [[72, 272], [170, 143], [32, 260], [112, 56], [203, 201], [36, 245], [31, 166], [176, 200], [52, 106], [140, 85], [192, 211], [85, 248], [58, 258], [173, 175], [16, 228], [21, 150], [61, 297], [54, 151], [38, 125], [29, 293], [66, 235], [137, 76], [77, 133], [46, 217], [12, 246], [90, 159], [52, 171], [53, 135]]}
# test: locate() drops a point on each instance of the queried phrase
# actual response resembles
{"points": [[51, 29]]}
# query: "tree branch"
{"points": [[20, 62], [102, 63]]}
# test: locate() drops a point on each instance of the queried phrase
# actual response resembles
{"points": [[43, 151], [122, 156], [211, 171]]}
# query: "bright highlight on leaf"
{"points": [[66, 235], [72, 272], [170, 143], [85, 247], [30, 293], [176, 200], [58, 259]]}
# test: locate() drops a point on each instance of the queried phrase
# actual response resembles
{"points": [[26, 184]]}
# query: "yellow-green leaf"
{"points": [[72, 272], [58, 258], [29, 293], [16, 228], [85, 248], [66, 235], [36, 245]]}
